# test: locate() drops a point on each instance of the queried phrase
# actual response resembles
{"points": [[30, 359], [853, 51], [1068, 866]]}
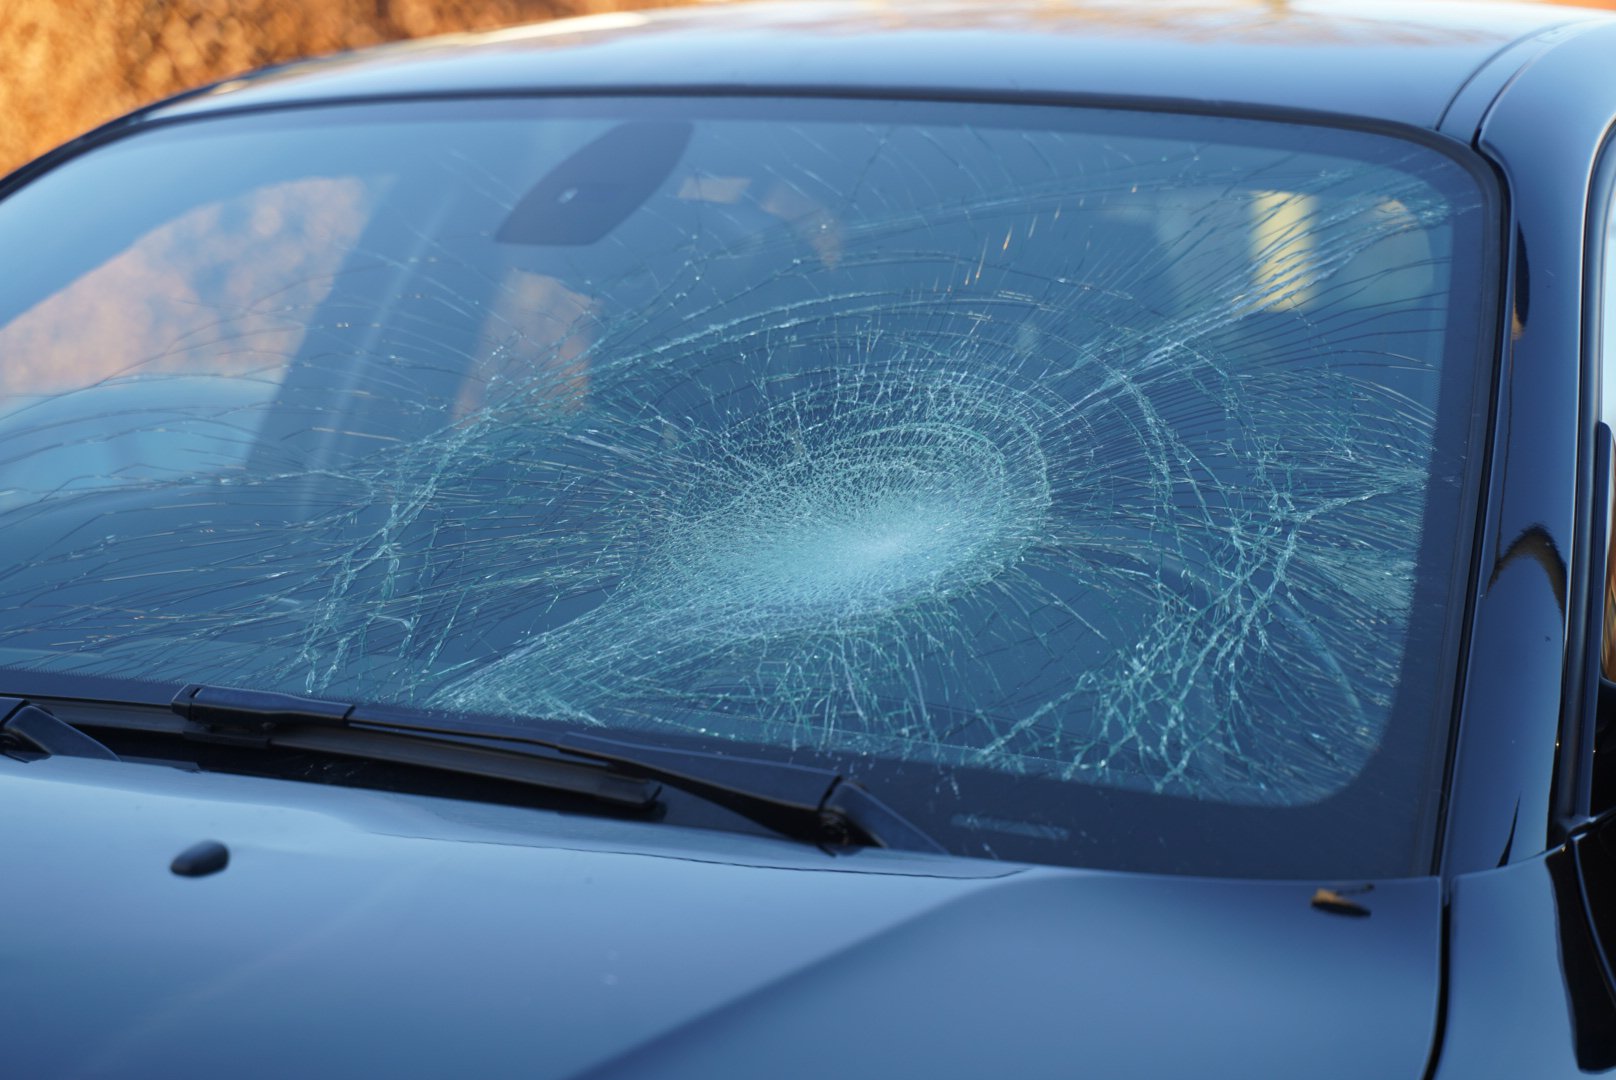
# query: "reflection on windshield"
{"points": [[1098, 454]]}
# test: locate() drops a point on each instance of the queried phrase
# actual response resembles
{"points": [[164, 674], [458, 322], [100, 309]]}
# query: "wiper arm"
{"points": [[811, 804], [816, 805]]}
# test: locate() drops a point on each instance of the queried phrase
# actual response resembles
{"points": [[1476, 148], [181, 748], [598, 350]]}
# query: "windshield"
{"points": [[1091, 479]]}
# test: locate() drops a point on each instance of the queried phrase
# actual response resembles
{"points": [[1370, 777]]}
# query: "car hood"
{"points": [[364, 933]]}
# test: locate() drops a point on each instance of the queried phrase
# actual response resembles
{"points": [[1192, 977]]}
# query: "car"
{"points": [[1016, 538]]}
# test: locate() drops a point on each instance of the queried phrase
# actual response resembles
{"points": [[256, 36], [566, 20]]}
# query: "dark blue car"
{"points": [[1019, 539]]}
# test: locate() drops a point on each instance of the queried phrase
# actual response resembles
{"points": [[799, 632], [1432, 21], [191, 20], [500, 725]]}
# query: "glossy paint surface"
{"points": [[1526, 632], [1521, 961], [354, 933]]}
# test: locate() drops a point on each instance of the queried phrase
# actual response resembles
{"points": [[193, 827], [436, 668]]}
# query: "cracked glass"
{"points": [[1090, 479]]}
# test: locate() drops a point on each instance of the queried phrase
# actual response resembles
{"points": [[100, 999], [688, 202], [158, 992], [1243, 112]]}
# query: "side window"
{"points": [[1594, 852], [1607, 321], [1606, 299], [1604, 296]]}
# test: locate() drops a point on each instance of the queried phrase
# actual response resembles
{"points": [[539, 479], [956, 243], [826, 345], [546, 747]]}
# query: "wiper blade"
{"points": [[817, 805], [263, 718]]}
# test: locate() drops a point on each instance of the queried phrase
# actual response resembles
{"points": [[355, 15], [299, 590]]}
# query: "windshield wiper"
{"points": [[816, 805]]}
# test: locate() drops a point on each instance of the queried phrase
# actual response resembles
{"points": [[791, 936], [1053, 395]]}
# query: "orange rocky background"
{"points": [[67, 65]]}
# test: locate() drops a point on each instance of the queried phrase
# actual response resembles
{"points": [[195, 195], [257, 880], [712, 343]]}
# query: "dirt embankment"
{"points": [[67, 65]]}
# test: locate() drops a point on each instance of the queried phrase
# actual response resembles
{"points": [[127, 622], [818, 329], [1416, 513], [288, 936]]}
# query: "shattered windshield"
{"points": [[1049, 462]]}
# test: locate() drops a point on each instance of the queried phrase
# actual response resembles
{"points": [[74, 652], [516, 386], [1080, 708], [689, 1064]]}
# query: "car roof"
{"points": [[1399, 62]]}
